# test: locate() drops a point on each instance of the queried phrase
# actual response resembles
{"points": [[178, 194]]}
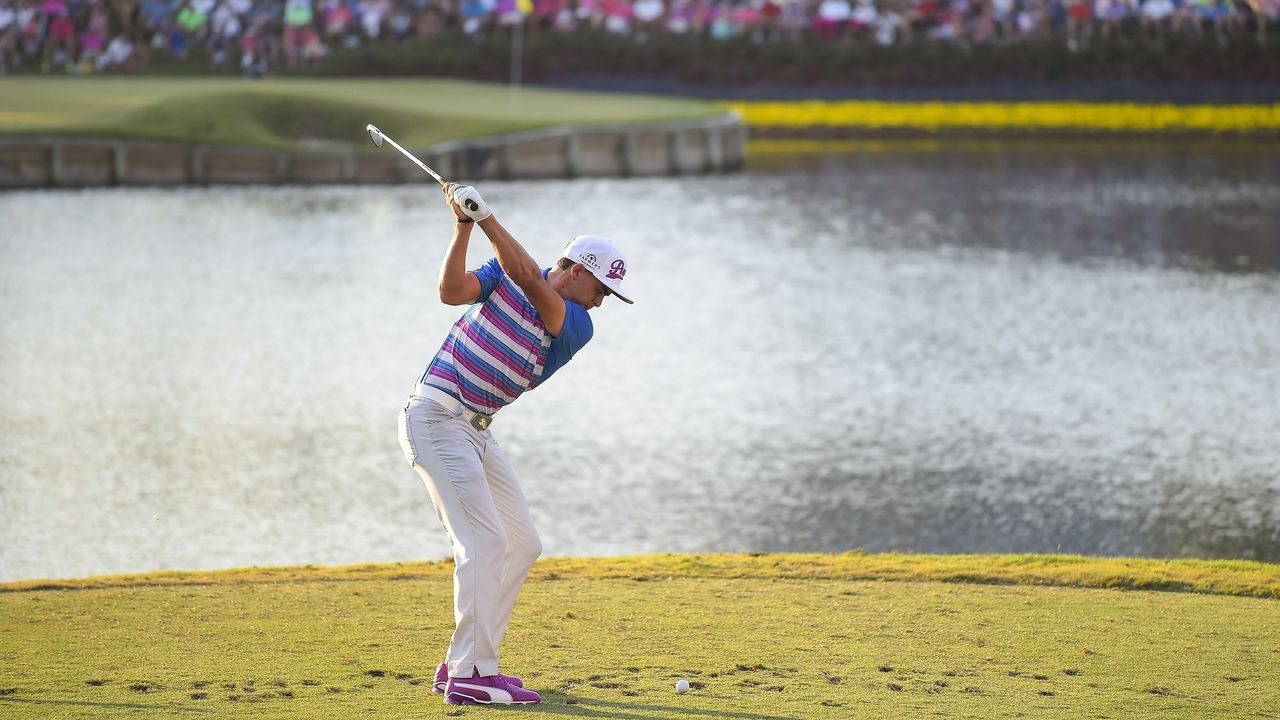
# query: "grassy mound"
{"points": [[289, 121], [308, 113], [759, 637]]}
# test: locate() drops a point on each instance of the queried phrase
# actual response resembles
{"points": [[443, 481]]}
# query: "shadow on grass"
{"points": [[590, 707], [86, 703]]}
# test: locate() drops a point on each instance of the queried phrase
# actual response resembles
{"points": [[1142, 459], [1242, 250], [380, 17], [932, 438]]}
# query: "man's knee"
{"points": [[526, 551], [481, 545]]}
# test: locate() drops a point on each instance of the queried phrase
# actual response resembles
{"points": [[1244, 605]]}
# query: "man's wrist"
{"points": [[465, 221]]}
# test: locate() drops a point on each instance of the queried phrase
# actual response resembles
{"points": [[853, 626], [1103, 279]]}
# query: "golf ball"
{"points": [[682, 686]]}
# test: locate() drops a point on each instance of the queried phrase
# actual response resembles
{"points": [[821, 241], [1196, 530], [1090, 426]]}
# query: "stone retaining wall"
{"points": [[680, 148]]}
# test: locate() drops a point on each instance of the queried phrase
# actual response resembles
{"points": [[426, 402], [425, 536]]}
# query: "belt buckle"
{"points": [[480, 421]]}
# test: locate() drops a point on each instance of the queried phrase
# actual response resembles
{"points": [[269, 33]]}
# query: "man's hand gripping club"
{"points": [[466, 203]]}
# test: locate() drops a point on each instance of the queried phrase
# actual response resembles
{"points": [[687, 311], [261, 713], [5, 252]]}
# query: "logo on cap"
{"points": [[617, 270], [590, 259]]}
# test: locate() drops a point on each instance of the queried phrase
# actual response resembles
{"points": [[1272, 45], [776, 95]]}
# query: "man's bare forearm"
{"points": [[453, 270], [514, 259]]}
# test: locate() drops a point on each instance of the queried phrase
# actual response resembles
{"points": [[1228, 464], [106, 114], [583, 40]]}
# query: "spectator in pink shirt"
{"points": [[60, 45], [746, 20], [617, 15], [94, 39], [337, 20]]}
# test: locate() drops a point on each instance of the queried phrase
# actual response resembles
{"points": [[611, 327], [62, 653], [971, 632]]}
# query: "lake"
{"points": [[932, 347]]}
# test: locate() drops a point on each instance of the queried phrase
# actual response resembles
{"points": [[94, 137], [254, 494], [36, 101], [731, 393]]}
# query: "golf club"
{"points": [[379, 137]]}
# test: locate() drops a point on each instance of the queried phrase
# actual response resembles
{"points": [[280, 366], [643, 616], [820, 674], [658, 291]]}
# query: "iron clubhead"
{"points": [[374, 134]]}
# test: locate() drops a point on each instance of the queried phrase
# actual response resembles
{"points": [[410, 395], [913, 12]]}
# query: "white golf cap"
{"points": [[602, 258]]}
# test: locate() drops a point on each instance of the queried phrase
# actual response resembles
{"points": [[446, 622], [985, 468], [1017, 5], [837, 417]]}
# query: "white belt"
{"points": [[479, 421]]}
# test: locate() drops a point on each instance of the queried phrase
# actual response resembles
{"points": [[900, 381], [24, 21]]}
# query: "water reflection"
{"points": [[1193, 205]]}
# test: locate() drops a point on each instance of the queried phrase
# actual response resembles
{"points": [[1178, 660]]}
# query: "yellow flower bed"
{"points": [[933, 116]]}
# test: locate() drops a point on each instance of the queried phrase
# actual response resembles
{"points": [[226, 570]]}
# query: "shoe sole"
{"points": [[456, 699], [439, 688]]}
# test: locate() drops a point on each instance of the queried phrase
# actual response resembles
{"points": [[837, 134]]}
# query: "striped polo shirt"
{"points": [[500, 347]]}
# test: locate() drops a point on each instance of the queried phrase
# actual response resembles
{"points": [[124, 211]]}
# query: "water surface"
{"points": [[975, 349]]}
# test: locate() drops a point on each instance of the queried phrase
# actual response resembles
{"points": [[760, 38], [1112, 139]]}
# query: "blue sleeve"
{"points": [[488, 274], [577, 329], [575, 333]]}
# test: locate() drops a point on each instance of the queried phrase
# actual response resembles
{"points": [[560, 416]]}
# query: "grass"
{"points": [[759, 637], [308, 113]]}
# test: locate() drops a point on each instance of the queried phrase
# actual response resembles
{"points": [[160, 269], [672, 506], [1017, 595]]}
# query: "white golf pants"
{"points": [[484, 512]]}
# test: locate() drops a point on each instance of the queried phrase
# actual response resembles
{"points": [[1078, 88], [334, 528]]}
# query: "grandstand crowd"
{"points": [[255, 36]]}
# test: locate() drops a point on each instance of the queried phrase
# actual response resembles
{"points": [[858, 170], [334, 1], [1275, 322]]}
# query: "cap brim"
{"points": [[612, 289]]}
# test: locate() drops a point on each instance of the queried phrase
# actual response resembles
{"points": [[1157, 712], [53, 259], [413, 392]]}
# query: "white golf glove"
{"points": [[470, 202]]}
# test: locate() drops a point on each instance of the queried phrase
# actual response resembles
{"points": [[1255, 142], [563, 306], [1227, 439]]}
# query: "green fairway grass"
{"points": [[759, 637], [302, 114]]}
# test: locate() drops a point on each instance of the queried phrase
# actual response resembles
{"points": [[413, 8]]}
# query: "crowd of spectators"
{"points": [[253, 36]]}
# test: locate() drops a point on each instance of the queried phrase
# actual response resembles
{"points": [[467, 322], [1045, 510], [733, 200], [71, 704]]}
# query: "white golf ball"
{"points": [[682, 686]]}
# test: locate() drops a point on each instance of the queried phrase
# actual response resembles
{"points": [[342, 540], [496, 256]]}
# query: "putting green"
{"points": [[309, 113], [759, 638]]}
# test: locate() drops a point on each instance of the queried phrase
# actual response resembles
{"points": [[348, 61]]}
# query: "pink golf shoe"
{"points": [[442, 679], [491, 690]]}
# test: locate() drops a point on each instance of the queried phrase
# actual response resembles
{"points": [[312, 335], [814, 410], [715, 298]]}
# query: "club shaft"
{"points": [[410, 155]]}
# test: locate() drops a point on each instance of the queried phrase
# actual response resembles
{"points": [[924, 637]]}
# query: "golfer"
{"points": [[524, 323]]}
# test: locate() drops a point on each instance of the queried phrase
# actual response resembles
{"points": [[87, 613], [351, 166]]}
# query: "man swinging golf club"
{"points": [[524, 323]]}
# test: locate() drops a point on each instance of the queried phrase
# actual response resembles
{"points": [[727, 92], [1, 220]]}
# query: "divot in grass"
{"points": [[1162, 691]]}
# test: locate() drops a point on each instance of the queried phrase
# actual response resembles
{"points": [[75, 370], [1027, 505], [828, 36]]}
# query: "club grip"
{"points": [[472, 206]]}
